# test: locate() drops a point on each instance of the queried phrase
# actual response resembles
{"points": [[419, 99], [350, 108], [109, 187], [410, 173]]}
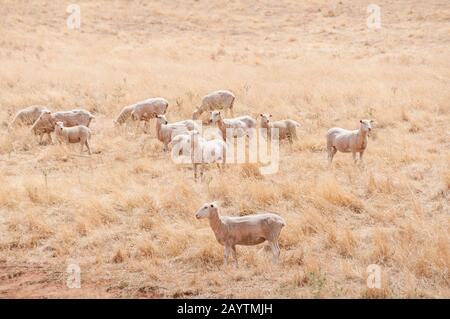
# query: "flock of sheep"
{"points": [[73, 127]]}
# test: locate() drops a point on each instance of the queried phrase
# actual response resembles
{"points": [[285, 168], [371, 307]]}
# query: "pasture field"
{"points": [[125, 214]]}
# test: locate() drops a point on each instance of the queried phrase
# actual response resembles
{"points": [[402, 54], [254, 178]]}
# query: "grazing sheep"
{"points": [[46, 122], [28, 115], [75, 134], [286, 128], [240, 125], [246, 230], [165, 132], [339, 139], [124, 115], [149, 109], [218, 100]]}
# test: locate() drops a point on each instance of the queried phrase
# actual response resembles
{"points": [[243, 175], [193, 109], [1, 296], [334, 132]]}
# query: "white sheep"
{"points": [[287, 129], [206, 152], [240, 125], [217, 100], [149, 109], [46, 122], [75, 134], [165, 132], [339, 139], [245, 230], [190, 147], [28, 115]]}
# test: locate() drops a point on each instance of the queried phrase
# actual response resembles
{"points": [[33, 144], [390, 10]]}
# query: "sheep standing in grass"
{"points": [[287, 129], [206, 152], [240, 125], [246, 230], [218, 100], [28, 115], [165, 132], [192, 148], [75, 134], [339, 139], [46, 122], [149, 109]]}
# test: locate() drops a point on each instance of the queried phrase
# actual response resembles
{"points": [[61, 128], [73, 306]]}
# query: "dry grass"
{"points": [[125, 214]]}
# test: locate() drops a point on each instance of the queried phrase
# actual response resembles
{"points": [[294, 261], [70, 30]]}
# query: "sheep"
{"points": [[190, 147], [245, 230], [75, 134], [124, 114], [45, 124], [217, 100], [206, 152], [148, 109], [286, 128], [240, 125], [28, 115], [165, 132], [339, 139]]}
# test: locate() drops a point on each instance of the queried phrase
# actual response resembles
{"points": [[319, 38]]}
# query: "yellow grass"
{"points": [[126, 213]]}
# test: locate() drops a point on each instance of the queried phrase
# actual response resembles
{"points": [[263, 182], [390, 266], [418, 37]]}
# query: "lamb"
{"points": [[217, 100], [287, 129], [339, 139], [28, 115], [165, 132], [246, 230], [75, 134], [239, 125], [46, 122]]}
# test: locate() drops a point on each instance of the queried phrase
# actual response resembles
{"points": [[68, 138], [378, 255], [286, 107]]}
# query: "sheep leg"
{"points": [[81, 149], [226, 255], [354, 156], [88, 147], [50, 138], [40, 139], [361, 156], [275, 251], [331, 152], [235, 255]]}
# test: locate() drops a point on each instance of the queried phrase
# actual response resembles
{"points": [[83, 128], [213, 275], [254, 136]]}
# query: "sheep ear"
{"points": [[217, 203], [360, 121], [372, 121], [270, 115]]}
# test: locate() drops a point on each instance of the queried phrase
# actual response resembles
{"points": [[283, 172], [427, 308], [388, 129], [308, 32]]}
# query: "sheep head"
{"points": [[366, 125], [162, 119], [215, 117], [207, 209]]}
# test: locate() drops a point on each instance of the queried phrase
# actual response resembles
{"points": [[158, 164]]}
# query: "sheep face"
{"points": [[215, 117], [366, 125], [265, 118], [162, 119], [206, 210], [59, 126]]}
